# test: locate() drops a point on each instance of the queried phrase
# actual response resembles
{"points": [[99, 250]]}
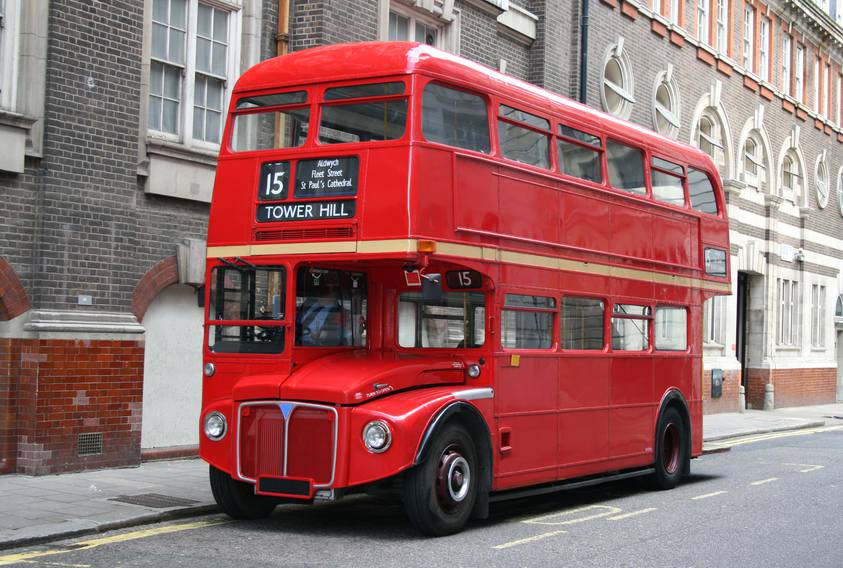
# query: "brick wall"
{"points": [[793, 387], [71, 387], [8, 409], [729, 400]]}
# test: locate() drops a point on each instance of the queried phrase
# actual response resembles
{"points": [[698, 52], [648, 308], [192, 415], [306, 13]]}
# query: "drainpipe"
{"points": [[282, 38], [584, 51]]}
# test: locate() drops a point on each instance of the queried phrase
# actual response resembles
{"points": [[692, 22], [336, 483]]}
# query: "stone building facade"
{"points": [[110, 117]]}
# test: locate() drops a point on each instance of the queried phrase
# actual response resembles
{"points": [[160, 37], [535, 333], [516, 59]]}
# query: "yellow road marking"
{"points": [[707, 495], [528, 539], [632, 514], [763, 481], [44, 563], [25, 557], [542, 520], [808, 467], [768, 436]]}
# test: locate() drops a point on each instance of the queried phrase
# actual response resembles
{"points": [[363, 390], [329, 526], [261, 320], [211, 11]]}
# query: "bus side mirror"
{"points": [[432, 287]]}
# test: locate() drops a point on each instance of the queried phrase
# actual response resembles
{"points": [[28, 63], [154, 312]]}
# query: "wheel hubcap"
{"points": [[453, 479], [670, 448]]}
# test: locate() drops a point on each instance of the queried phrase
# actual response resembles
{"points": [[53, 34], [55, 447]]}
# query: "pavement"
{"points": [[53, 507]]}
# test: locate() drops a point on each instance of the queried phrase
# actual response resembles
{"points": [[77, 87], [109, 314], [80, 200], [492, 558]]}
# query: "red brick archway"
{"points": [[163, 274], [13, 299]]}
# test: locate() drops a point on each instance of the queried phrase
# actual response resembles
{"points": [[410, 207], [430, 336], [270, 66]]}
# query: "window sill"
{"points": [[14, 133], [174, 170], [788, 348]]}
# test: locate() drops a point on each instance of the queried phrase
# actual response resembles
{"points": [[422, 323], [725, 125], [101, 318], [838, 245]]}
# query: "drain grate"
{"points": [[154, 500]]}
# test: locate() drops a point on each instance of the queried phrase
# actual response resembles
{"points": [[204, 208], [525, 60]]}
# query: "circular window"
{"points": [[666, 106], [822, 183], [616, 94]]}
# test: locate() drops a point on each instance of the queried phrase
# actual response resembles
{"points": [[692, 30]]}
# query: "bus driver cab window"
{"points": [[330, 308]]}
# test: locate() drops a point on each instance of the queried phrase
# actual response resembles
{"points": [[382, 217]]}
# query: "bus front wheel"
{"points": [[671, 450], [439, 493], [238, 499]]}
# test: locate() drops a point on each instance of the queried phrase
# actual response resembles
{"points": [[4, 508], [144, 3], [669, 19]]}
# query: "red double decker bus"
{"points": [[430, 278]]}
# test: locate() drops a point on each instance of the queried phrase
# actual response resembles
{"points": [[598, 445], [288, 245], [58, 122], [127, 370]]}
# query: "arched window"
{"points": [[791, 177], [821, 182], [840, 190], [666, 112], [838, 311], [709, 137], [755, 163], [618, 85]]}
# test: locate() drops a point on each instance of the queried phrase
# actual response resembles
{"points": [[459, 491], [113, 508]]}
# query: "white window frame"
{"points": [[721, 29], [764, 49], [9, 52], [759, 178], [827, 86], [713, 321], [674, 11], [625, 89], [787, 48], [787, 312], [715, 139], [839, 101], [749, 39], [818, 316], [799, 78], [817, 85], [840, 190], [822, 184], [792, 193], [703, 20], [184, 135], [447, 25]]}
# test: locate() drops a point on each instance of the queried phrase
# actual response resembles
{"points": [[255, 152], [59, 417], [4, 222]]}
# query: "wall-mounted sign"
{"points": [[305, 211], [326, 177], [274, 181]]}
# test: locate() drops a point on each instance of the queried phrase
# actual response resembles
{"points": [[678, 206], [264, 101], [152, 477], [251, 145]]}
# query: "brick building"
{"points": [[110, 119]]}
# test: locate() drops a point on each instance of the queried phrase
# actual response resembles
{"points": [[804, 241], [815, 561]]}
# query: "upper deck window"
{"points": [[701, 192], [455, 118], [626, 167], [520, 138], [277, 120], [667, 180], [364, 121], [579, 154]]}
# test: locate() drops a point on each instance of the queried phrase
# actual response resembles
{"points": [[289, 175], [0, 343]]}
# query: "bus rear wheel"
{"points": [[237, 499], [439, 493], [671, 450]]}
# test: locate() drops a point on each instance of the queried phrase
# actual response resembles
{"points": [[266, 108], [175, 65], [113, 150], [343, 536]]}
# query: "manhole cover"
{"points": [[154, 500]]}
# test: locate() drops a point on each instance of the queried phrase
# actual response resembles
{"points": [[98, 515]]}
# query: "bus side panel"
{"points": [[584, 222], [525, 404], [382, 203], [632, 408], [475, 194], [583, 414], [529, 206]]}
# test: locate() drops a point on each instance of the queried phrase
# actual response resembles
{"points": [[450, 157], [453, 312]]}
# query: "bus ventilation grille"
{"points": [[345, 232]]}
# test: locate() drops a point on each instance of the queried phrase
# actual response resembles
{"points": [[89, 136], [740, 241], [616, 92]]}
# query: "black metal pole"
{"points": [[584, 52]]}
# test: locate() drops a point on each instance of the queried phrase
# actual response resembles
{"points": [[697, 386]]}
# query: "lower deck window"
{"points": [[331, 307], [252, 299], [527, 322], [582, 323], [630, 327], [456, 321], [671, 329]]}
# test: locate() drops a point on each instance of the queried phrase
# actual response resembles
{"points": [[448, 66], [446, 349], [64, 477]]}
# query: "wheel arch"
{"points": [[470, 418]]}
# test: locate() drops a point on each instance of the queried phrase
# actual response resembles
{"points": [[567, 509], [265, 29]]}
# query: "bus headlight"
{"points": [[377, 437], [215, 426]]}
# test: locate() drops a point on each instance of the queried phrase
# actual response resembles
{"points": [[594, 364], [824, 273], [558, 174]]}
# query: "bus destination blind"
{"points": [[326, 177], [305, 211]]}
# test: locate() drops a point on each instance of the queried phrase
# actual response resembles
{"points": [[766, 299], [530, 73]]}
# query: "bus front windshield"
{"points": [[331, 308]]}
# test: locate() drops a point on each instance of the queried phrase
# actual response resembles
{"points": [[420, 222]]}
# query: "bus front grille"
{"points": [[287, 439]]}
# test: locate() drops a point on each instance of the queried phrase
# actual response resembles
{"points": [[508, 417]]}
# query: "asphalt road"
{"points": [[771, 501]]}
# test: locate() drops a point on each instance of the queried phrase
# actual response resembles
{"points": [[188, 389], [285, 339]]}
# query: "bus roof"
{"points": [[351, 61]]}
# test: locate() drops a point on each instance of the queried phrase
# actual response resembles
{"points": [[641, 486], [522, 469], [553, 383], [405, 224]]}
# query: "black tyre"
{"points": [[237, 499], [671, 450], [439, 493]]}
